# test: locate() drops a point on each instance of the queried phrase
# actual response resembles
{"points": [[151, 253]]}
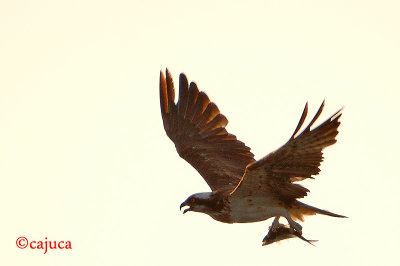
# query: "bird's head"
{"points": [[199, 202]]}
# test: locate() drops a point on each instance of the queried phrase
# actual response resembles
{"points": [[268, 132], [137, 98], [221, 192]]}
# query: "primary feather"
{"points": [[197, 128]]}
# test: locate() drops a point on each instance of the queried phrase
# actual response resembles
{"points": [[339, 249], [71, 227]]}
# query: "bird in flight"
{"points": [[243, 190]]}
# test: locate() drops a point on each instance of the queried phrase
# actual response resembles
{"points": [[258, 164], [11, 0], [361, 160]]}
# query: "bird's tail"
{"points": [[300, 209]]}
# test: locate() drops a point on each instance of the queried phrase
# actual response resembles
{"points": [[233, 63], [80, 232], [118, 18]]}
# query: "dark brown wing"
{"points": [[297, 160], [197, 128]]}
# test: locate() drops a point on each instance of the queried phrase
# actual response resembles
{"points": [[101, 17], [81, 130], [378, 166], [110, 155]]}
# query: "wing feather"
{"points": [[297, 160], [197, 128], [183, 94]]}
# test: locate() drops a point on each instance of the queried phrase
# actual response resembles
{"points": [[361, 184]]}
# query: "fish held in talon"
{"points": [[282, 232]]}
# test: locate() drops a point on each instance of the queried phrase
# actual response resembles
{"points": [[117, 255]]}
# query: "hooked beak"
{"points": [[184, 204]]}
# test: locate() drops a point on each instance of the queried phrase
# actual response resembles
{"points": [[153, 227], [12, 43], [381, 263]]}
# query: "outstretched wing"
{"points": [[197, 128], [297, 160]]}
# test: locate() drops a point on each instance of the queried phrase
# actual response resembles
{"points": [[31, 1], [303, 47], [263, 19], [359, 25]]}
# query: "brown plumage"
{"points": [[297, 160], [243, 190], [197, 128]]}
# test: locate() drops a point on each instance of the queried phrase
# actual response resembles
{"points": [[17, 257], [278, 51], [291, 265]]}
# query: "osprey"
{"points": [[243, 190]]}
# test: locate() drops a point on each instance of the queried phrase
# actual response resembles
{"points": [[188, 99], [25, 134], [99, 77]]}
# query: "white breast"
{"points": [[254, 209]]}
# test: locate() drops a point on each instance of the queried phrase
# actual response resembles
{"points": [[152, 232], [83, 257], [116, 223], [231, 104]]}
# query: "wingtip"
{"points": [[341, 109], [322, 105], [168, 77], [301, 121], [170, 87], [193, 84], [182, 76], [338, 114], [183, 83], [168, 73], [163, 94], [162, 80], [306, 108]]}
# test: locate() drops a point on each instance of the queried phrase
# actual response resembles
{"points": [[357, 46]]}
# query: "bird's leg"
{"points": [[293, 225], [275, 224]]}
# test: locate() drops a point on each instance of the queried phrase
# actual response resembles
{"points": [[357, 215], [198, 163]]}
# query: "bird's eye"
{"points": [[192, 200]]}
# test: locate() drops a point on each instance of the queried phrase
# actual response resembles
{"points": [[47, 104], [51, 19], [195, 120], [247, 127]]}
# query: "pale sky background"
{"points": [[84, 157]]}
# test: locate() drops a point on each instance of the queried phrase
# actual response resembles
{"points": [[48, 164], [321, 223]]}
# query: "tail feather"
{"points": [[300, 209]]}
